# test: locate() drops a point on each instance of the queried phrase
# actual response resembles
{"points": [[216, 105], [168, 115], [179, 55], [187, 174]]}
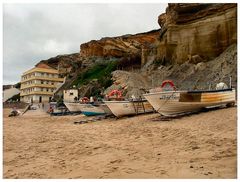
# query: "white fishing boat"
{"points": [[73, 107], [124, 108], [105, 108], [88, 109], [170, 103], [91, 110], [120, 107]]}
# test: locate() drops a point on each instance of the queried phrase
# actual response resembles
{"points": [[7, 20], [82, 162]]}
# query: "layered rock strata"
{"points": [[194, 29]]}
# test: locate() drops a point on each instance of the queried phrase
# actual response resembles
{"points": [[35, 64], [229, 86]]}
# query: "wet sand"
{"points": [[198, 146]]}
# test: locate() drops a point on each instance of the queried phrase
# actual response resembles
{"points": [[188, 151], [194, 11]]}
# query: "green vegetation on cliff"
{"points": [[100, 72]]}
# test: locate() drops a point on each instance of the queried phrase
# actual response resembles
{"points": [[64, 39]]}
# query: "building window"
{"points": [[41, 82], [47, 89], [41, 89], [71, 93], [52, 83]]}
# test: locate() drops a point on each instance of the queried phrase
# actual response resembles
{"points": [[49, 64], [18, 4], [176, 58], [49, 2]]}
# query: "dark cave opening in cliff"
{"points": [[131, 62]]}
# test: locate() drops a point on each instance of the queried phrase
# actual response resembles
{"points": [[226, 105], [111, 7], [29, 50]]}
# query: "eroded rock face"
{"points": [[199, 29], [117, 46], [65, 63]]}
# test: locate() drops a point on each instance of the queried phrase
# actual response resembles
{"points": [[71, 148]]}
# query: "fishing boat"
{"points": [[126, 107], [120, 107], [73, 107], [88, 108], [173, 102], [91, 110]]}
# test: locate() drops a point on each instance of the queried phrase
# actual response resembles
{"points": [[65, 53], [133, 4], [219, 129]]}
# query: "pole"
{"points": [[230, 80], [209, 88], [152, 81]]}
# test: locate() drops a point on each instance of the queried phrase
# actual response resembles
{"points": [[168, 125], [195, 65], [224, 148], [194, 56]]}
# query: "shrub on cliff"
{"points": [[100, 72]]}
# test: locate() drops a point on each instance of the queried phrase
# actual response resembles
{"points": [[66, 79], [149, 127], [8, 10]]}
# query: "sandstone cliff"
{"points": [[187, 30], [117, 47]]}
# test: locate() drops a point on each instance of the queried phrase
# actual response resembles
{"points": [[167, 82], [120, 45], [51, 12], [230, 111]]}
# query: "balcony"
{"points": [[37, 93], [37, 85], [42, 78], [41, 70]]}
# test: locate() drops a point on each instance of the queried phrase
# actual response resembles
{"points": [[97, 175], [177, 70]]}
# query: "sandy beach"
{"points": [[197, 146]]}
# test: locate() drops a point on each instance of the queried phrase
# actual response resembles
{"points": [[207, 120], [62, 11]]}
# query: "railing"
{"points": [[37, 85], [42, 78], [37, 93], [40, 70]]}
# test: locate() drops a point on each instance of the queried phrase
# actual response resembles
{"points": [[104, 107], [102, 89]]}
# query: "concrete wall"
{"points": [[35, 98], [69, 95]]}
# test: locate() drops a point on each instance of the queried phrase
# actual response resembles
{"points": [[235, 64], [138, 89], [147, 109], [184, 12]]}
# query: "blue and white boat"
{"points": [[73, 107], [89, 109], [94, 109]]}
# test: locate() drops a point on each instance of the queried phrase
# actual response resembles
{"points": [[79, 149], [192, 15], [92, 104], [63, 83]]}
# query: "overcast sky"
{"points": [[34, 32]]}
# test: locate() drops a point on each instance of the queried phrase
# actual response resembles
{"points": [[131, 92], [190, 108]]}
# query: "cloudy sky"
{"points": [[34, 32]]}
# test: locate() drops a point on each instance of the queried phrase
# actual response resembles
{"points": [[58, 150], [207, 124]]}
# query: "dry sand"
{"points": [[198, 146]]}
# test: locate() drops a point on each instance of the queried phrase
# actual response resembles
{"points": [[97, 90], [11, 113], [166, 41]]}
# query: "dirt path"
{"points": [[197, 146]]}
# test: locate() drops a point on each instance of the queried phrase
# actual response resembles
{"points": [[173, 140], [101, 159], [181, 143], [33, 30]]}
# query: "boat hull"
{"points": [[125, 108], [171, 103], [106, 109], [73, 107], [91, 110]]}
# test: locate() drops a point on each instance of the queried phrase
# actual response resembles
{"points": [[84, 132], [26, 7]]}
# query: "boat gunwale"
{"points": [[191, 91], [125, 101], [122, 101]]}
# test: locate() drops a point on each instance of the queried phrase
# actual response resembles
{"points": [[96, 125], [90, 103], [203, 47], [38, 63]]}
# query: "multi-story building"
{"points": [[39, 83]]}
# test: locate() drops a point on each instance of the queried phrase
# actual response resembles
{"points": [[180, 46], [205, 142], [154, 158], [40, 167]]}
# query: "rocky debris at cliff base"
{"points": [[201, 75], [129, 82], [186, 76]]}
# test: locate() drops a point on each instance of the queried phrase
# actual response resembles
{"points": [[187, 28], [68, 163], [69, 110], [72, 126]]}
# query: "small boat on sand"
{"points": [[120, 107], [87, 108], [91, 110], [171, 103], [73, 107], [128, 107]]}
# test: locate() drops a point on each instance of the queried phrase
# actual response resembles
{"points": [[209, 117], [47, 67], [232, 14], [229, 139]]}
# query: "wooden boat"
{"points": [[170, 103], [120, 107], [88, 109], [91, 110], [126, 107], [73, 107], [106, 109]]}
